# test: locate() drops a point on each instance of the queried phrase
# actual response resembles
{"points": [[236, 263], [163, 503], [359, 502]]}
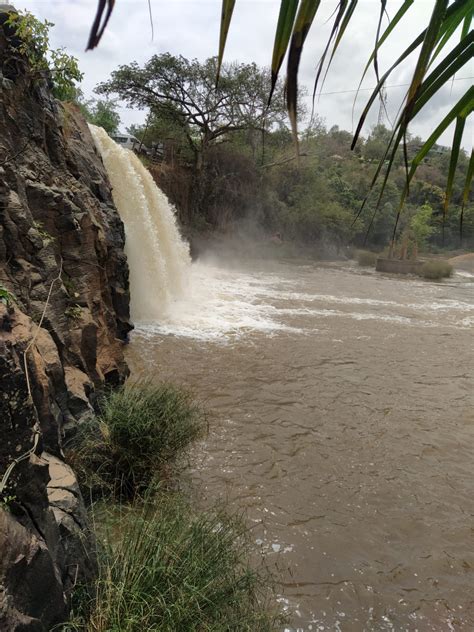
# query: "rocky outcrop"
{"points": [[61, 338]]}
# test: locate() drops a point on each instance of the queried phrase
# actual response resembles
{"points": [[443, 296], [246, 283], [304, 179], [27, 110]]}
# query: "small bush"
{"points": [[5, 296], [141, 429], [366, 259], [436, 269], [170, 570]]}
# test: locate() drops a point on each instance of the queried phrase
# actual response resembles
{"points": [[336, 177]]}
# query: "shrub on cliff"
{"points": [[32, 37], [436, 269], [167, 568], [141, 429]]}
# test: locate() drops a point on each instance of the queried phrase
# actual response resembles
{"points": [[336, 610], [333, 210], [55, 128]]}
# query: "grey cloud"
{"points": [[191, 28]]}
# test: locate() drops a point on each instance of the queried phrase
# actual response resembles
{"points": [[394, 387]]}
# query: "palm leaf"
{"points": [[286, 20], [466, 191], [102, 16], [439, 11], [226, 16], [458, 132], [457, 58], [462, 109], [304, 20], [406, 53], [341, 21], [458, 13]]}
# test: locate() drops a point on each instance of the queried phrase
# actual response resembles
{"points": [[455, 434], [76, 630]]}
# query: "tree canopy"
{"points": [[183, 93], [439, 54], [101, 112]]}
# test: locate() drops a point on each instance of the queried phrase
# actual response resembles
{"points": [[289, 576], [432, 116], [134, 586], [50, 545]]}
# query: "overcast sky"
{"points": [[191, 28]]}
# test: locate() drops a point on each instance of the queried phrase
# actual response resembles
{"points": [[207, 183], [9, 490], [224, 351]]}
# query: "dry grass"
{"points": [[366, 259], [436, 269]]}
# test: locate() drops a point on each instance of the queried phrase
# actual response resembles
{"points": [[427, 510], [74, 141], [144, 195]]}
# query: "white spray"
{"points": [[158, 257]]}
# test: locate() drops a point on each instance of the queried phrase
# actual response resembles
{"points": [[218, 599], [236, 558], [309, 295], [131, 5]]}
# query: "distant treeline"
{"points": [[227, 160]]}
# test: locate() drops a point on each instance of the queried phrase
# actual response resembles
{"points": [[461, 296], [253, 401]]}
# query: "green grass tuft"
{"points": [[366, 259], [436, 269], [167, 569], [139, 433]]}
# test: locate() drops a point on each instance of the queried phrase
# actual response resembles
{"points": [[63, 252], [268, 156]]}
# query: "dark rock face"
{"points": [[61, 256]]}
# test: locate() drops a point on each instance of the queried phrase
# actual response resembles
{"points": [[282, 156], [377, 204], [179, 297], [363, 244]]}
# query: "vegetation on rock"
{"points": [[162, 565], [366, 259], [32, 41], [166, 567], [436, 269], [141, 429]]}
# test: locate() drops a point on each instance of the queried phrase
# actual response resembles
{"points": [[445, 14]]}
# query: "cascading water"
{"points": [[157, 255], [207, 300]]}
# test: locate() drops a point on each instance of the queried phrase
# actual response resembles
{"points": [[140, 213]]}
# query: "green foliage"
{"points": [[6, 501], [436, 269], [140, 431], [246, 180], [182, 94], [171, 569], [62, 69], [45, 236], [420, 224], [101, 112], [6, 297], [69, 284], [366, 259], [74, 312], [441, 54]]}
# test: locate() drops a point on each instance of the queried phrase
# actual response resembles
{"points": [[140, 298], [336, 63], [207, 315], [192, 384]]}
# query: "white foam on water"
{"points": [[220, 304]]}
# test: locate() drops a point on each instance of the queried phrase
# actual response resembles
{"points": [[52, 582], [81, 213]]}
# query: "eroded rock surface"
{"points": [[61, 256]]}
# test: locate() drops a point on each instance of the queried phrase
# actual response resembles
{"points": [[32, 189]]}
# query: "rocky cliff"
{"points": [[61, 337]]}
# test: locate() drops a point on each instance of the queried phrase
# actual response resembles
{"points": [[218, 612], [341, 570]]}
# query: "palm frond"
{"points": [[102, 16], [306, 14], [283, 33], [466, 191], [226, 17]]}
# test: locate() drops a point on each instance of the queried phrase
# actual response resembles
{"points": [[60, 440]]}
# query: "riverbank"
{"points": [[162, 563]]}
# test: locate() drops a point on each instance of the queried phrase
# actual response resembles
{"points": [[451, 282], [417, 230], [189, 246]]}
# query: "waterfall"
{"points": [[157, 255]]}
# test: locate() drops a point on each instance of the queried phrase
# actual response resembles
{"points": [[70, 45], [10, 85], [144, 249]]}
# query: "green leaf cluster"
{"points": [[43, 61], [102, 113], [181, 94]]}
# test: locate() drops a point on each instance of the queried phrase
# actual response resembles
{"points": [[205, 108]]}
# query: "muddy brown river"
{"points": [[342, 422]]}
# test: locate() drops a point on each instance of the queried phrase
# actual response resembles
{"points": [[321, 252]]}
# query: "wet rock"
{"points": [[31, 592]]}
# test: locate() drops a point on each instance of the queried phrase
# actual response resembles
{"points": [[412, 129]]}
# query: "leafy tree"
{"points": [[32, 42], [420, 225], [376, 144], [183, 94], [432, 70], [101, 112]]}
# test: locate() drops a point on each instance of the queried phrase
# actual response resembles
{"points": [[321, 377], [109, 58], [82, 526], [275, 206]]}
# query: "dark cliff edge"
{"points": [[57, 221]]}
